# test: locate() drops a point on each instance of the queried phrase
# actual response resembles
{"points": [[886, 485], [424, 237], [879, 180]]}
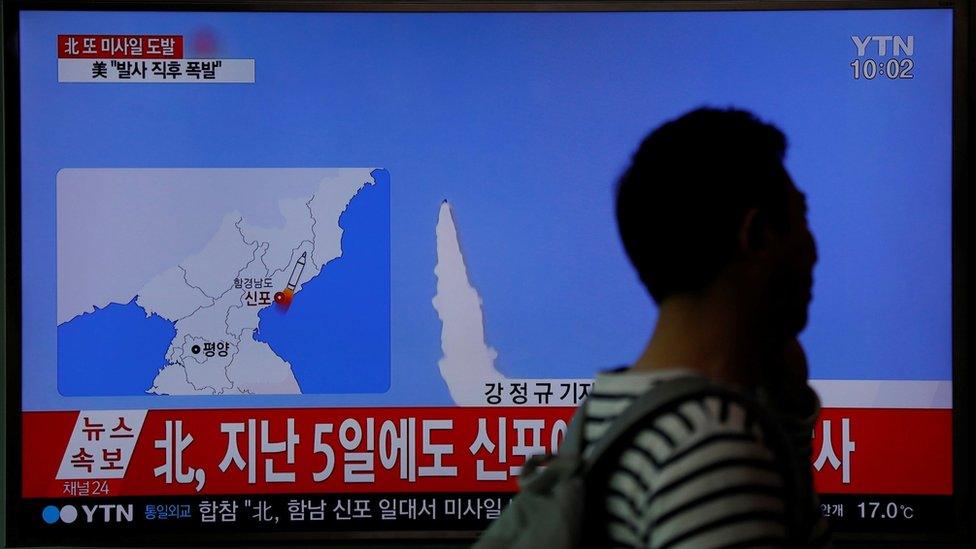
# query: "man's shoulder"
{"points": [[711, 407], [702, 424], [703, 455]]}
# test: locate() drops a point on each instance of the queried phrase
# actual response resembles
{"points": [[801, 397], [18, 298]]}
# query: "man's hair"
{"points": [[681, 203]]}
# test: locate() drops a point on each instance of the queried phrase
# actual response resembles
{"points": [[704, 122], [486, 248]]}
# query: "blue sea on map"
{"points": [[336, 333], [116, 350]]}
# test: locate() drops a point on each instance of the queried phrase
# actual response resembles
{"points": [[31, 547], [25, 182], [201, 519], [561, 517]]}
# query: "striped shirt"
{"points": [[696, 477]]}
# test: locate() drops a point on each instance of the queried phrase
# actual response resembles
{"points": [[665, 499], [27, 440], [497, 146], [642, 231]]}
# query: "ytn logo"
{"points": [[897, 44], [93, 513]]}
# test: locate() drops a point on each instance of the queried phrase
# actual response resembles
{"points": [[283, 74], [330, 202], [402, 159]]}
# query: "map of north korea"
{"points": [[223, 281]]}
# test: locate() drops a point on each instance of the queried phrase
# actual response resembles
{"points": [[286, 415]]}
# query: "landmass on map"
{"points": [[205, 322]]}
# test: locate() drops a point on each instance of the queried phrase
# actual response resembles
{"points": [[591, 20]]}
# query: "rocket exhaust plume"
{"points": [[468, 362]]}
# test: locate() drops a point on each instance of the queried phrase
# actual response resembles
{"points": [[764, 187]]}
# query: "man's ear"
{"points": [[752, 232]]}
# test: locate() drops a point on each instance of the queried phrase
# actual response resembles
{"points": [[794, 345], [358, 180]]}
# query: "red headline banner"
{"points": [[883, 451], [119, 46], [439, 449]]}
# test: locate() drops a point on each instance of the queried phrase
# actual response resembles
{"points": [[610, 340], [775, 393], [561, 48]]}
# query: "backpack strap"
{"points": [[570, 450], [572, 443]]}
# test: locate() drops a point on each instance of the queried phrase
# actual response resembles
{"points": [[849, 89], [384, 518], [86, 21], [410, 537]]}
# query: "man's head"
{"points": [[707, 200]]}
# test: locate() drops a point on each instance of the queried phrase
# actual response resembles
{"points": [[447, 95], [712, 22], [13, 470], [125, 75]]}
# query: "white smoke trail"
{"points": [[468, 361]]}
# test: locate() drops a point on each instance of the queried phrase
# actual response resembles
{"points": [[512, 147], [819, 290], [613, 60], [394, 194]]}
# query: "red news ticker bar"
{"points": [[897, 451], [120, 46]]}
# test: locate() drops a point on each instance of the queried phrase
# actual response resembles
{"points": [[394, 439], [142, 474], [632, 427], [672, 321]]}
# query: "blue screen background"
{"points": [[523, 121]]}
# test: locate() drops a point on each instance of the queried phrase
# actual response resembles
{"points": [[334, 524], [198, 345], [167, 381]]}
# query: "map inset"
{"points": [[223, 281]]}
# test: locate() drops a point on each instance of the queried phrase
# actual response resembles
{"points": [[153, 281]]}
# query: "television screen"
{"points": [[297, 275]]}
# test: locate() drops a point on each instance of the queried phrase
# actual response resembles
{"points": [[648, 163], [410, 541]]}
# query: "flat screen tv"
{"points": [[286, 272]]}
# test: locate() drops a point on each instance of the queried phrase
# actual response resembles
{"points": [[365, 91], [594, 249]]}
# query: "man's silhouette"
{"points": [[718, 234]]}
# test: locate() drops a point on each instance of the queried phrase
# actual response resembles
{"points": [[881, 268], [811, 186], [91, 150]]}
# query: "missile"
{"points": [[296, 272], [283, 298]]}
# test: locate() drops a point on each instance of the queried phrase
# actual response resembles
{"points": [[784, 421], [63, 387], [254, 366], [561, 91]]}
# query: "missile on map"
{"points": [[296, 272], [283, 298]]}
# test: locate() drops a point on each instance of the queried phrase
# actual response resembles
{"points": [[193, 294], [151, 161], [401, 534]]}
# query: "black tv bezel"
{"points": [[11, 327]]}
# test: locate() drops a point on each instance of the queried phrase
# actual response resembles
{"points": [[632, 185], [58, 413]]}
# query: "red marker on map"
{"points": [[283, 298]]}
